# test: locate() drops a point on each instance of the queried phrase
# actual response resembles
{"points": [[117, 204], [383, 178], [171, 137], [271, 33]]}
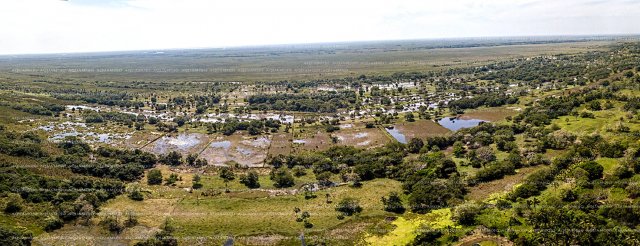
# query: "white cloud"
{"points": [[37, 26]]}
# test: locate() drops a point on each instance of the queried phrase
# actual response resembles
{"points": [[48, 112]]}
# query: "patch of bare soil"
{"points": [[484, 190]]}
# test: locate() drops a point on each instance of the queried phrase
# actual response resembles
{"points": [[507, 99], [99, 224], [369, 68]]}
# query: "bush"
{"points": [[633, 189], [14, 205], [299, 171], [136, 195], [132, 219], [427, 236], [414, 145], [587, 115], [111, 223], [348, 206], [614, 150], [282, 178], [494, 171], [154, 177], [393, 203], [171, 180], [465, 214], [52, 223], [594, 169], [250, 180], [569, 195], [10, 236]]}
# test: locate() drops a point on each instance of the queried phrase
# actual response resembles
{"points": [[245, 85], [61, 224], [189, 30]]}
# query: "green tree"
{"points": [[465, 214], [393, 203], [226, 174], [251, 180], [458, 149], [299, 171], [154, 177], [348, 206], [282, 178], [195, 182], [173, 177], [414, 145], [191, 159], [594, 169], [173, 158], [408, 116]]}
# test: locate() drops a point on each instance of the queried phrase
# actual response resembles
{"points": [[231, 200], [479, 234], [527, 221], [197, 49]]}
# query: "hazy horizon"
{"points": [[509, 40]]}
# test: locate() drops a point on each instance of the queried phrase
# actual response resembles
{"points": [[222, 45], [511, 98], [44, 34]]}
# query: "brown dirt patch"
{"points": [[484, 190]]}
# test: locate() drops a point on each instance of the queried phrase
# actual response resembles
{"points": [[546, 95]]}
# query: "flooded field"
{"points": [[141, 139], [185, 143], [88, 133], [280, 144], [395, 133], [312, 139], [361, 137], [244, 150]]}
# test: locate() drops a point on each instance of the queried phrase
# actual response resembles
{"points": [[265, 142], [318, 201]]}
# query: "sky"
{"points": [[59, 26]]}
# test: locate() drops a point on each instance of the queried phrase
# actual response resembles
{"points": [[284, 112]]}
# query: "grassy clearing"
{"points": [[609, 164], [490, 114], [275, 215], [407, 227], [605, 123], [251, 215], [421, 129]]}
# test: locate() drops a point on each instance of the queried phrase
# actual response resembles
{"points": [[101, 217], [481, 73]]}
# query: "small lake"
{"points": [[397, 135], [457, 124]]}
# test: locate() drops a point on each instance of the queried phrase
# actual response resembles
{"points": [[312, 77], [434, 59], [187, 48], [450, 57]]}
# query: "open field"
{"points": [[490, 114], [421, 129], [280, 63]]}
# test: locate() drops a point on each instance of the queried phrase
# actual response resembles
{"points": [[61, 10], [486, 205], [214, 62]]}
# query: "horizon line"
{"points": [[587, 37]]}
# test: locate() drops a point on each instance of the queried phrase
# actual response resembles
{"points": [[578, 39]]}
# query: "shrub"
{"points": [[427, 236], [348, 206], [250, 180], [465, 214], [52, 223], [299, 171], [594, 169], [111, 223], [154, 177], [14, 205], [136, 195], [393, 203], [282, 178]]}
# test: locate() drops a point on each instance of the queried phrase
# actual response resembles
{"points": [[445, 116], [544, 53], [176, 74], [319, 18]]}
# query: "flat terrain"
{"points": [[321, 61]]}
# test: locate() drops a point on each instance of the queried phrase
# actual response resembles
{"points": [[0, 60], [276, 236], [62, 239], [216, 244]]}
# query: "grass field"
{"points": [[269, 211], [275, 63]]}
